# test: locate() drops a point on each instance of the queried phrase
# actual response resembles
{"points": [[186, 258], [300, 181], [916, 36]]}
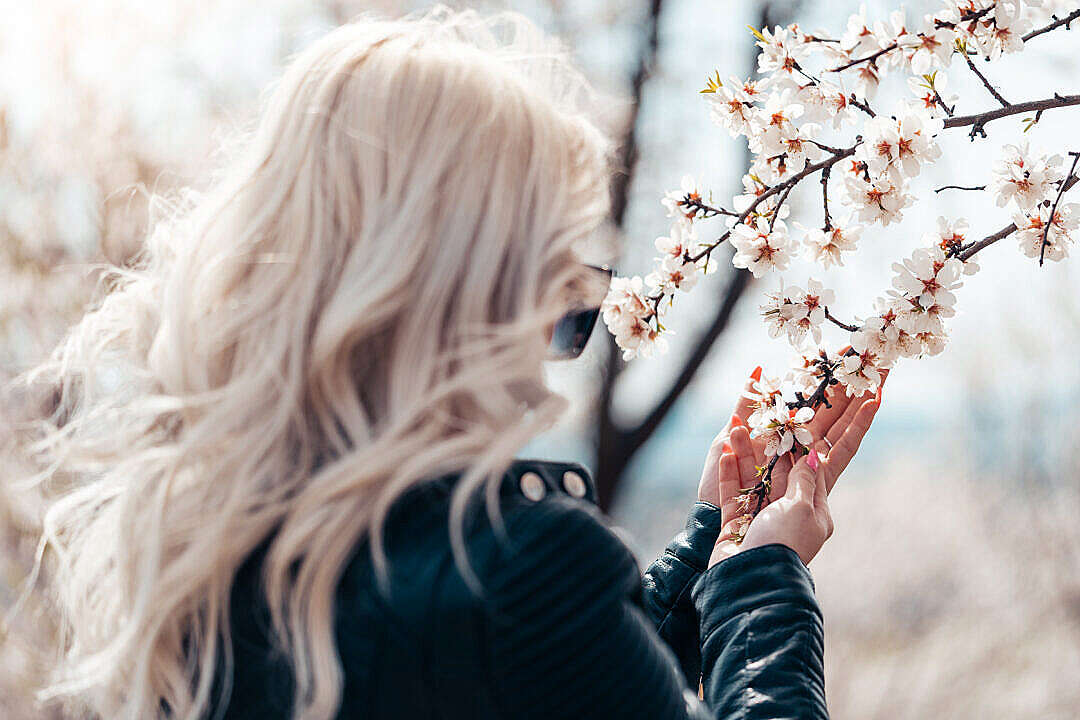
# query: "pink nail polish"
{"points": [[812, 460]]}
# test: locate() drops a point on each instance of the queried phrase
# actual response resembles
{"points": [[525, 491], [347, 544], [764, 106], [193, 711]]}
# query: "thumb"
{"points": [[801, 480], [818, 463]]}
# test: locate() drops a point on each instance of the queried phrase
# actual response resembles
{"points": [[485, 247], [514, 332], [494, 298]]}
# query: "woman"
{"points": [[282, 445]]}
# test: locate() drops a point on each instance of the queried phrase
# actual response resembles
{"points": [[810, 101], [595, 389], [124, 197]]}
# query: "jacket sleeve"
{"points": [[761, 637], [666, 586]]}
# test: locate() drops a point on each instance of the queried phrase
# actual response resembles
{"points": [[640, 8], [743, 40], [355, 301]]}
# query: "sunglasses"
{"points": [[571, 332]]}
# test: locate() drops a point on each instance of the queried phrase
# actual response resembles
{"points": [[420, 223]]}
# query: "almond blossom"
{"points": [[760, 248], [1031, 231], [828, 246], [1024, 177], [782, 428]]}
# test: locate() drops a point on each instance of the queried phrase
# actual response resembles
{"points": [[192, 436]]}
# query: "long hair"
{"points": [[356, 304]]}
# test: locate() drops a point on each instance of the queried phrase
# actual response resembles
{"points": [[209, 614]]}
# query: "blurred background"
{"points": [[951, 588]]}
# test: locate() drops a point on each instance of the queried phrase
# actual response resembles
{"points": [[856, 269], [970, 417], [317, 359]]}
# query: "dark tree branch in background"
{"points": [[616, 445], [610, 438]]}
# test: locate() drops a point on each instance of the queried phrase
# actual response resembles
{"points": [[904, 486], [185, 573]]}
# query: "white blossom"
{"points": [[675, 200], [929, 276], [928, 89], [626, 311], [899, 146], [880, 200], [828, 246], [782, 428], [673, 274], [1031, 228], [933, 48], [860, 371], [781, 50], [1024, 177], [760, 249]]}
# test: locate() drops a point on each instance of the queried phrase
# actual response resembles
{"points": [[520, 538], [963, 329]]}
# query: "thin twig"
{"points": [[825, 174], [1053, 210], [960, 187], [985, 82], [846, 326], [864, 106]]}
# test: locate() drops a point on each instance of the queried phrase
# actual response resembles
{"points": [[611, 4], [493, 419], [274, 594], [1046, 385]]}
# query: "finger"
{"points": [[745, 405], [729, 485], [837, 429], [801, 481], [845, 447], [780, 477], [825, 416], [744, 451], [821, 488]]}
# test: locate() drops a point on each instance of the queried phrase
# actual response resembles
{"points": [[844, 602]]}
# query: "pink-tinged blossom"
{"points": [[1024, 177], [828, 246], [860, 371], [933, 48], [880, 200], [760, 249], [1031, 228], [900, 146], [929, 276], [782, 428], [626, 310]]}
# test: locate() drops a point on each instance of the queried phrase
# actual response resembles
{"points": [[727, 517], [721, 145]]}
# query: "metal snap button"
{"points": [[532, 486], [574, 484]]}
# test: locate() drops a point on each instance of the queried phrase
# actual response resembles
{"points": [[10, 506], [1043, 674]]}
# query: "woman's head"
{"points": [[359, 303]]}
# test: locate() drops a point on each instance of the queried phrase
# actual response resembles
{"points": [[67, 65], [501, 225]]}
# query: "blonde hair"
{"points": [[357, 305]]}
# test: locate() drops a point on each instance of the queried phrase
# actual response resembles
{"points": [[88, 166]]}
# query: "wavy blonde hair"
{"points": [[357, 304]]}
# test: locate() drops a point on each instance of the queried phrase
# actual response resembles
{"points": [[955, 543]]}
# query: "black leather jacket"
{"points": [[566, 626]]}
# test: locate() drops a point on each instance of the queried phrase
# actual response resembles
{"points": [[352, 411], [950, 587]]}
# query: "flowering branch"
{"points": [[783, 116]]}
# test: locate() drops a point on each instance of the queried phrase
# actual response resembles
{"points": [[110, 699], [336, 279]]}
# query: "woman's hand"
{"points": [[734, 457], [800, 519]]}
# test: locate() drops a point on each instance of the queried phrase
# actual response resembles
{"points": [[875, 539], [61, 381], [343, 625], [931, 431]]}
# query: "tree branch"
{"points": [[1054, 25], [979, 120]]}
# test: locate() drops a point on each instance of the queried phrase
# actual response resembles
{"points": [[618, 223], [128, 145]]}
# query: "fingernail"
{"points": [[756, 375], [879, 389], [736, 421], [812, 460], [727, 448]]}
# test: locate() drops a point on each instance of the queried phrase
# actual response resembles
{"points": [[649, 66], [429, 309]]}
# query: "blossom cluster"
{"points": [[810, 112]]}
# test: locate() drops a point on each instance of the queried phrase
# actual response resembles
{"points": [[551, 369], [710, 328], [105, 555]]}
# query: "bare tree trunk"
{"points": [[616, 445]]}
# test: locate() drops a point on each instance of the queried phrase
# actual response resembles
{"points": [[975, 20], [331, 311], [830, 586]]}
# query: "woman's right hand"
{"points": [[800, 519]]}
